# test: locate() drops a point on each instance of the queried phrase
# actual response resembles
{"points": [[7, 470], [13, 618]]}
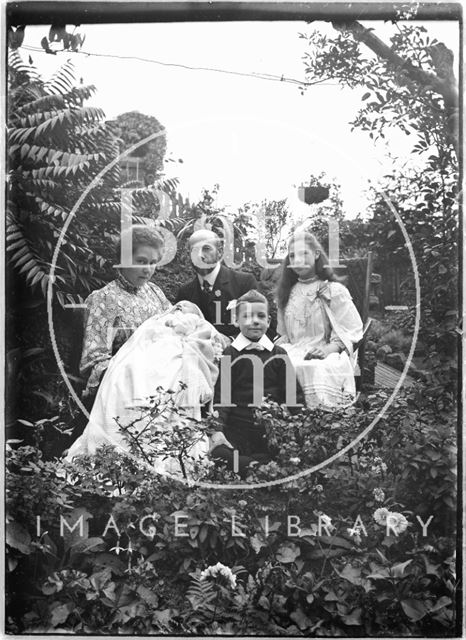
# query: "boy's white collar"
{"points": [[241, 342]]}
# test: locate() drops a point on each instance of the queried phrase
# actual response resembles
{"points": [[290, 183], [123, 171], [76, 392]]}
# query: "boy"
{"points": [[256, 368]]}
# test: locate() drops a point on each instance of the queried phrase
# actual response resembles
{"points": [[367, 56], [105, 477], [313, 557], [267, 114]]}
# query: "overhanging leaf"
{"points": [[301, 619], [398, 570], [354, 618], [287, 553], [18, 538], [60, 613], [414, 609]]}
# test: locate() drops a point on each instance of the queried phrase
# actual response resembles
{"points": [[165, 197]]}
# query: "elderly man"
{"points": [[214, 285]]}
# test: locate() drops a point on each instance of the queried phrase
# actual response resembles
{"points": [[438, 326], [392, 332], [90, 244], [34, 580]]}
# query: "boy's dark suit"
{"points": [[229, 285], [238, 421]]}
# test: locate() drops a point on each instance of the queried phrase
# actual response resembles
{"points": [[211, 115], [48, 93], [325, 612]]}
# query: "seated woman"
{"points": [[318, 324], [179, 346], [116, 311]]}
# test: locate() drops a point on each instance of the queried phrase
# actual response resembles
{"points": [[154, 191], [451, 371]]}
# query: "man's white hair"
{"points": [[203, 235]]}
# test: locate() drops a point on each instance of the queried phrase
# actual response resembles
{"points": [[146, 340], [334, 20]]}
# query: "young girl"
{"points": [[318, 323]]}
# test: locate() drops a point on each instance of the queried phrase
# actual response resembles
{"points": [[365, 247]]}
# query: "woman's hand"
{"points": [[225, 341], [316, 353], [216, 439], [319, 353]]}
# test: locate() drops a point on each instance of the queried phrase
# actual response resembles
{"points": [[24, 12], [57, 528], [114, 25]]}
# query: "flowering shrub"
{"points": [[149, 440]]}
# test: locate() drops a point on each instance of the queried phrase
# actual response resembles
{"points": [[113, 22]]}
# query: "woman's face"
{"points": [[303, 259], [144, 260]]}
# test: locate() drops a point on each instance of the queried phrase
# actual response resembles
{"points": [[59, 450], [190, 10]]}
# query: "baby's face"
{"points": [[182, 323], [186, 307]]}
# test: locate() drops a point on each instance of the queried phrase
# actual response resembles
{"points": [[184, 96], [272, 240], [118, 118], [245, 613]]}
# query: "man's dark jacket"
{"points": [[229, 285]]}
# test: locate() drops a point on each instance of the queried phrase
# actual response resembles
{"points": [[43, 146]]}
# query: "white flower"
{"points": [[295, 460], [355, 532], [219, 570], [397, 522], [151, 532], [242, 503], [362, 462], [319, 488], [380, 515], [379, 466], [379, 495], [325, 521], [218, 349]]}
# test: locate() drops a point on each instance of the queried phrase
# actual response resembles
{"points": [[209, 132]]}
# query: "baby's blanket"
{"points": [[162, 352]]}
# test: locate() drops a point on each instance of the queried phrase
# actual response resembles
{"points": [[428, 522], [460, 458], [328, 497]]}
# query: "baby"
{"points": [[184, 318]]}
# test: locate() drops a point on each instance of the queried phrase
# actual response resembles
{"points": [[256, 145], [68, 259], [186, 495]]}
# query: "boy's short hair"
{"points": [[251, 296]]}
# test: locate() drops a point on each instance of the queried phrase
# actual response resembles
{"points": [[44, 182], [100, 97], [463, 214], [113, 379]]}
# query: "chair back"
{"points": [[358, 273], [73, 334]]}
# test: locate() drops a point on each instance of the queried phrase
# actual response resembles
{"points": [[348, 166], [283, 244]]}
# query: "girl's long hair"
{"points": [[288, 277]]}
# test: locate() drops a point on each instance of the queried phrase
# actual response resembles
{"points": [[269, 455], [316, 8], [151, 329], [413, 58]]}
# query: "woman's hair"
{"points": [[288, 277], [142, 236]]}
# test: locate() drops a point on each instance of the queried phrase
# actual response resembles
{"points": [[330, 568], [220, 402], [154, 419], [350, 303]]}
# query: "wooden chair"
{"points": [[73, 334], [357, 272]]}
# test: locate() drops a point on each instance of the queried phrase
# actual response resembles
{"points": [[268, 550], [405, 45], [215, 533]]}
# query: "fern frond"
{"points": [[134, 185], [62, 80], [66, 118], [21, 255], [17, 64], [50, 208], [56, 156], [81, 93], [56, 146], [44, 102], [200, 594]]}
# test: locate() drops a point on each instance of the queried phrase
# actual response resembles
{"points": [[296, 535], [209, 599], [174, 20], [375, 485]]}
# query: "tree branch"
{"points": [[445, 86]]}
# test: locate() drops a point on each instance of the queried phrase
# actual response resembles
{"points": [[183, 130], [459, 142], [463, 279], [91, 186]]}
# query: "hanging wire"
{"points": [[256, 75]]}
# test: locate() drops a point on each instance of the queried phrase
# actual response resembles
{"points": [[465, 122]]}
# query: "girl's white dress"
{"points": [[317, 313], [164, 351]]}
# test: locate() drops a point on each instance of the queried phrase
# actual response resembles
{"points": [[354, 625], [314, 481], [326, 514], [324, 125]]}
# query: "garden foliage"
{"points": [[141, 553]]}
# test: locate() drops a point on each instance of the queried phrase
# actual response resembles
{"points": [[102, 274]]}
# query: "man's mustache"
{"points": [[209, 262]]}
